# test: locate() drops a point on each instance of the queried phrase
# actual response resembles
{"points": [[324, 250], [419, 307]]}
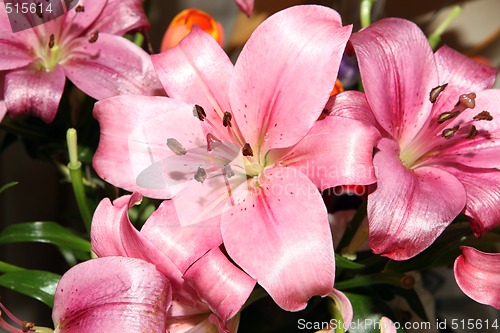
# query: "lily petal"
{"points": [[113, 294], [484, 150], [78, 21], [343, 304], [184, 245], [326, 154], [13, 52], [351, 104], [483, 196], [133, 152], [246, 6], [112, 234], [197, 71], [264, 235], [223, 286], [478, 275], [34, 91], [410, 208], [462, 74], [121, 16], [398, 74], [299, 49], [111, 66], [3, 107]]}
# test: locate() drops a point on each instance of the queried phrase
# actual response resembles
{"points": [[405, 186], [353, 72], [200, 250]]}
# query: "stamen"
{"points": [[450, 132], [433, 95], [199, 112], [80, 9], [483, 115], [227, 171], [468, 100], [247, 150], [447, 116], [94, 37], [176, 147], [52, 41], [226, 121], [27, 326], [472, 133], [212, 142], [201, 175]]}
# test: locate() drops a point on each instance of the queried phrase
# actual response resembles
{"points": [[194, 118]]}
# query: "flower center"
{"points": [[49, 54], [445, 130]]}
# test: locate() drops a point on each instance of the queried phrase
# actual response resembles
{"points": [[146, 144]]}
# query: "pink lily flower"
{"points": [[112, 294], [478, 275], [208, 290], [246, 6], [262, 115], [440, 148], [84, 45]]}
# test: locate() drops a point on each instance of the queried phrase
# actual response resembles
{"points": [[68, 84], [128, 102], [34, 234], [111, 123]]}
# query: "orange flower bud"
{"points": [[337, 89], [182, 24]]}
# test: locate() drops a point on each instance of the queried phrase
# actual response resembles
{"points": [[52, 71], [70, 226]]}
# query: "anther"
{"points": [[226, 121], [450, 132], [79, 9], [27, 326], [176, 147], [94, 37], [199, 113], [247, 150], [201, 175], [468, 100], [433, 95], [212, 142], [483, 115], [52, 41], [227, 171], [472, 133], [447, 116]]}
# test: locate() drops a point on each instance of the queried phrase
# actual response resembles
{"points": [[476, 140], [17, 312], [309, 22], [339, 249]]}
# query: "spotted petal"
{"points": [[398, 74], [299, 49], [113, 294], [410, 208], [133, 152], [111, 66], [264, 235], [336, 151], [478, 275], [34, 91], [121, 16], [198, 71]]}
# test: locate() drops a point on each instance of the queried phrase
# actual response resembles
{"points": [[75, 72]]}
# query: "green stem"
{"points": [[366, 12], [366, 280], [75, 173], [435, 37], [353, 226], [7, 268]]}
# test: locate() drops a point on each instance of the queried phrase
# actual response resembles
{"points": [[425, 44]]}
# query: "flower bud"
{"points": [[182, 24]]}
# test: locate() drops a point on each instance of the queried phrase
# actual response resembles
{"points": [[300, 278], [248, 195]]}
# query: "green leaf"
{"points": [[7, 186], [367, 311], [40, 285], [343, 262], [44, 232]]}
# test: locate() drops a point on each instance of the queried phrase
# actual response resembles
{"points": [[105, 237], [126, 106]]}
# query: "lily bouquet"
{"points": [[300, 188]]}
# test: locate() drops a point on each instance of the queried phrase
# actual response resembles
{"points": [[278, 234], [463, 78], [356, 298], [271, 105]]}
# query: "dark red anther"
{"points": [[247, 150], [199, 112], [201, 175], [450, 132], [94, 37], [226, 121], [52, 41], [433, 95], [472, 133], [483, 115]]}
